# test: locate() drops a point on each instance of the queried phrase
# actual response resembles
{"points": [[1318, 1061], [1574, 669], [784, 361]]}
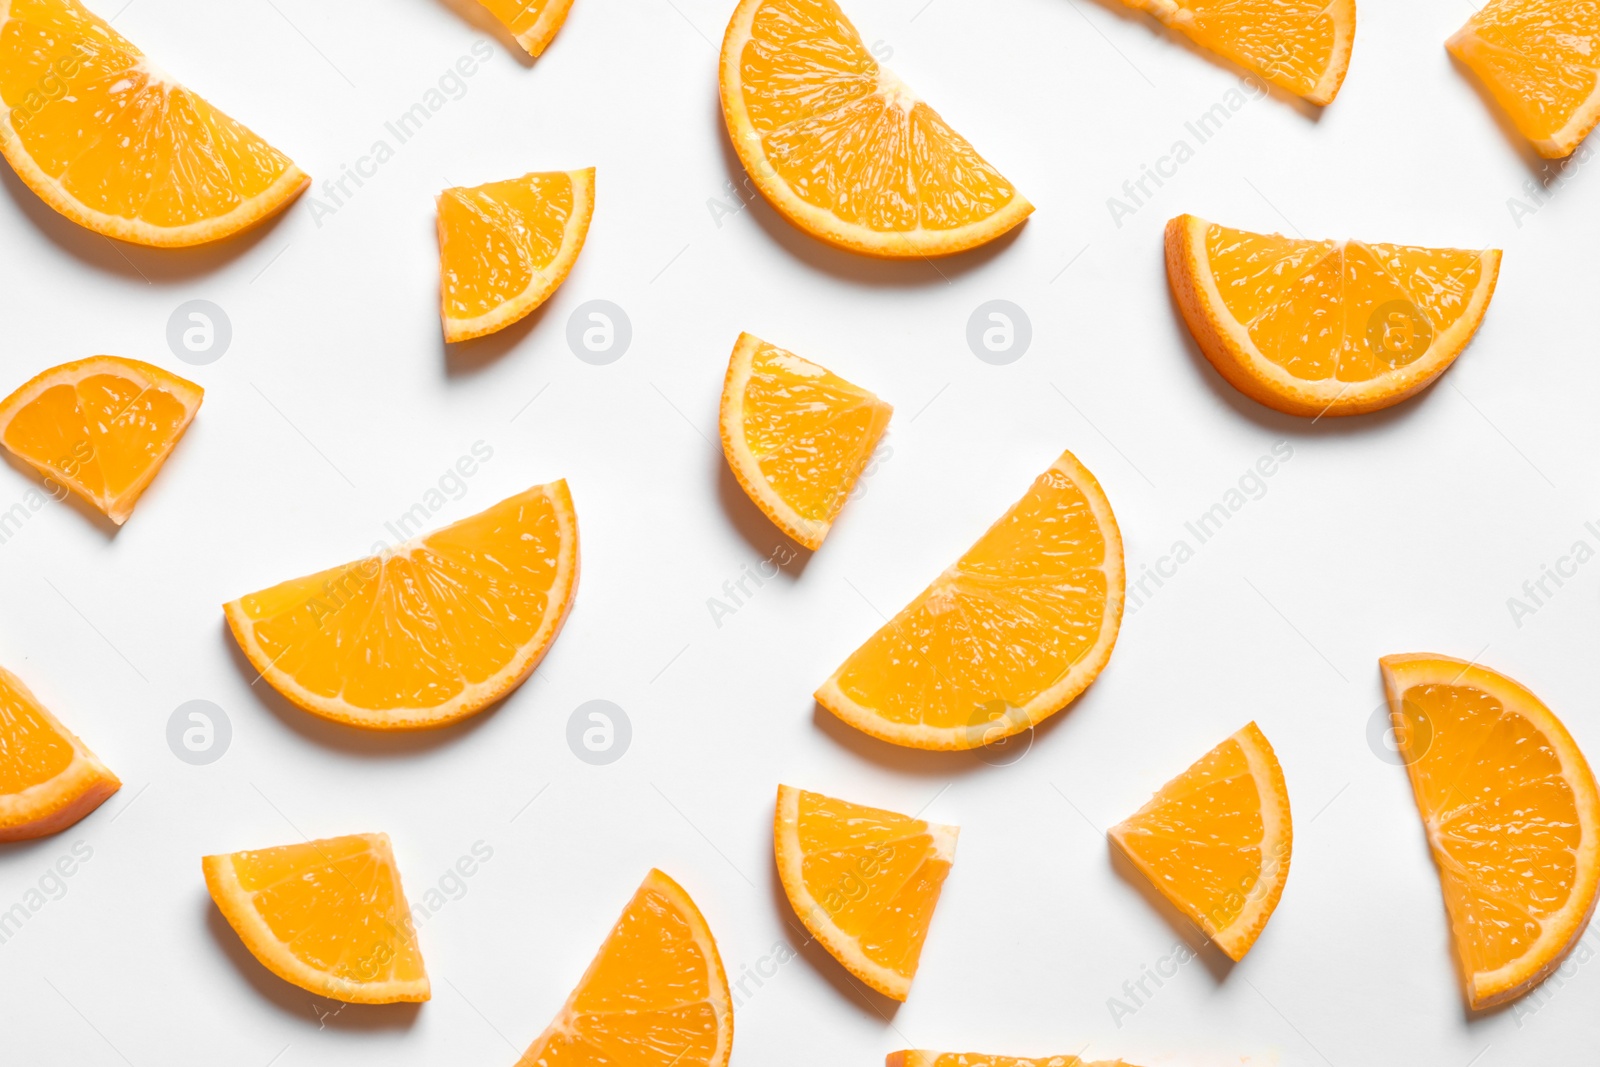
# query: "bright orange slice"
{"points": [[1006, 637], [532, 22], [1302, 46], [921, 1058], [109, 140], [654, 996], [504, 247], [101, 426], [1216, 840], [843, 148], [328, 916], [427, 632], [864, 881], [1512, 817], [48, 778], [1540, 60], [1325, 327], [796, 436]]}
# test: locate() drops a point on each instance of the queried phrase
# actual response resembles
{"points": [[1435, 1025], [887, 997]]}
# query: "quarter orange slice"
{"points": [[101, 426], [1216, 840], [109, 140], [1006, 637], [426, 632], [921, 1058], [654, 996], [1510, 809], [843, 148], [1538, 59], [504, 247], [1325, 327], [864, 881], [328, 916], [796, 436], [48, 778], [532, 22]]}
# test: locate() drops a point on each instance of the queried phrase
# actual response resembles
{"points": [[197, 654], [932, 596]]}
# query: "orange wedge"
{"points": [[48, 778], [328, 916], [532, 22], [1510, 808], [655, 995], [1325, 327], [1006, 637], [1302, 46], [101, 426], [921, 1058], [427, 632], [865, 882], [1216, 840], [1538, 60], [843, 148], [105, 137], [796, 436], [504, 247]]}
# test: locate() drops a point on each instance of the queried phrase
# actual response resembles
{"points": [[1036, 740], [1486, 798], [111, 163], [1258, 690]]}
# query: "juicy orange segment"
{"points": [[654, 996], [328, 916], [796, 436], [923, 1058], [1006, 637], [106, 138], [504, 247], [1325, 327], [1540, 60], [843, 148], [48, 778], [1512, 816], [1216, 840], [429, 631], [864, 881], [532, 22], [101, 426]]}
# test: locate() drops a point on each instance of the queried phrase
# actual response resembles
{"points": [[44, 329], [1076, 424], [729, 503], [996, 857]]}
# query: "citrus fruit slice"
{"points": [[532, 22], [796, 436], [426, 632], [843, 148], [1006, 637], [504, 247], [922, 1058], [865, 882], [1510, 808], [48, 778], [328, 916], [654, 996], [1302, 46], [1325, 327], [1537, 59], [101, 426], [109, 140], [1216, 840]]}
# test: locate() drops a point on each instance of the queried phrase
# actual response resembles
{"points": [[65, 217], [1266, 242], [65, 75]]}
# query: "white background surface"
{"points": [[337, 408]]}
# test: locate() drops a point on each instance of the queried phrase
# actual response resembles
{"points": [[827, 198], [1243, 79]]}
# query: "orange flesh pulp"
{"points": [[1540, 60], [32, 750], [495, 239]]}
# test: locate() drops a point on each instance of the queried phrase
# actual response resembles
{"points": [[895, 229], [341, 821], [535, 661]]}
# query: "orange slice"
{"points": [[865, 882], [1216, 840], [504, 247], [532, 22], [109, 140], [1325, 327], [427, 632], [328, 916], [101, 426], [796, 436], [1302, 46], [1511, 813], [1006, 637], [1538, 60], [654, 996], [48, 778], [921, 1058], [843, 148]]}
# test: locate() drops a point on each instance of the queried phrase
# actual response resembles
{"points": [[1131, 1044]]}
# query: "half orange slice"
{"points": [[48, 778], [532, 22]]}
